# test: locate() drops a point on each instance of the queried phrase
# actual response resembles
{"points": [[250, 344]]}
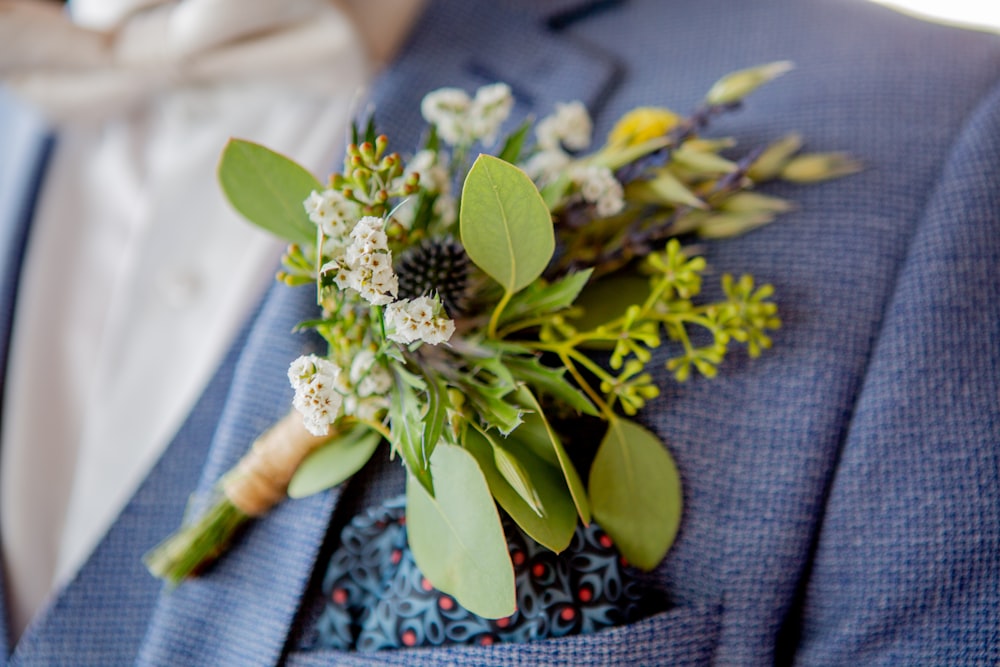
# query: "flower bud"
{"points": [[735, 86], [815, 167], [775, 157]]}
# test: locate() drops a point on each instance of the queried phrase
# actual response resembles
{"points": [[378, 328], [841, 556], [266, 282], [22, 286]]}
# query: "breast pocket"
{"points": [[684, 635]]}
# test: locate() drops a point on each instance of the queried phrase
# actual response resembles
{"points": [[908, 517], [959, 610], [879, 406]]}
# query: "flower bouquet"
{"points": [[470, 307]]}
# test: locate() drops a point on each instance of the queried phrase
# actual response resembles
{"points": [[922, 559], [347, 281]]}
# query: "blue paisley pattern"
{"points": [[376, 597]]}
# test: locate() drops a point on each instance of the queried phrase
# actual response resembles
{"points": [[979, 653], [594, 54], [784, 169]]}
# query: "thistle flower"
{"points": [[436, 266]]}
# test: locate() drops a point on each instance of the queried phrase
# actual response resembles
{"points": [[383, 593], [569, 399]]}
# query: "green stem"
{"points": [[197, 544], [495, 318], [585, 386]]}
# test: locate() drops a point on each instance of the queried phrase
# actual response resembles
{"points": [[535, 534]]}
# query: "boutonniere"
{"points": [[472, 305]]}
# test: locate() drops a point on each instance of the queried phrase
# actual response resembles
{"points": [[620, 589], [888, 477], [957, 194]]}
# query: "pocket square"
{"points": [[376, 598]]}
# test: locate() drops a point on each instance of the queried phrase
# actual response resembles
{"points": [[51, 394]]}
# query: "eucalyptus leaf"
{"points": [[268, 189], [334, 462], [456, 536], [554, 525], [635, 493], [533, 433], [572, 478], [505, 226], [607, 299]]}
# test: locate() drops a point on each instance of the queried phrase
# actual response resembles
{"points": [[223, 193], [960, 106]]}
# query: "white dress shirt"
{"points": [[138, 275]]}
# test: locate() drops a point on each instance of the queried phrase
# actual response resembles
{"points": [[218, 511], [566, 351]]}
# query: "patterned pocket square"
{"points": [[376, 598]]}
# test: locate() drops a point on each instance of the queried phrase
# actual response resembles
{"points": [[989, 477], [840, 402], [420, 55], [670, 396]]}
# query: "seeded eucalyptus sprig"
{"points": [[462, 300]]}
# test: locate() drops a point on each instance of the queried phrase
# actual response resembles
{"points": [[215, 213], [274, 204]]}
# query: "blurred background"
{"points": [[978, 14]]}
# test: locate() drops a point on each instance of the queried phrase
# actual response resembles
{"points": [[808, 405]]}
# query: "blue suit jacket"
{"points": [[842, 492]]}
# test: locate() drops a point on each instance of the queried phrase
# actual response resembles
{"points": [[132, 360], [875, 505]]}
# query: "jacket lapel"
{"points": [[26, 146], [241, 610]]}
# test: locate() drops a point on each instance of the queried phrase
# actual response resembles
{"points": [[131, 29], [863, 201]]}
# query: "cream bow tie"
{"points": [[76, 73]]}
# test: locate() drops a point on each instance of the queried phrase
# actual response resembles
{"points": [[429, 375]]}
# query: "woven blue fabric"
{"points": [[842, 492]]}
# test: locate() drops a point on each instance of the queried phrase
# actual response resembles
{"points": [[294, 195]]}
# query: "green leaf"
{"points": [[554, 525], [406, 418], [492, 408], [512, 147], [635, 492], [551, 382], [334, 462], [607, 299], [268, 189], [456, 536], [437, 413], [569, 472], [554, 192], [517, 477], [668, 189], [505, 226], [540, 299]]}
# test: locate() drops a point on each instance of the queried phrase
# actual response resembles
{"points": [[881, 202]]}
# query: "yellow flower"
{"points": [[642, 124]]}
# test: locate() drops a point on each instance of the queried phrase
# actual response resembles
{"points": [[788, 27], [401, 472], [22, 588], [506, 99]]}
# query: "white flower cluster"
{"points": [[434, 179], [461, 120], [418, 319], [314, 380], [569, 126], [545, 167], [366, 266], [331, 212], [599, 186], [366, 386]]}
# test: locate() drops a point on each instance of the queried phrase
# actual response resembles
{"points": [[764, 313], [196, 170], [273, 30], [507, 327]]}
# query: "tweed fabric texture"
{"points": [[841, 491]]}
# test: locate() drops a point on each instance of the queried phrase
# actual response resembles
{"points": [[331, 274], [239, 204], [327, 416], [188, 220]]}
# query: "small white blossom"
{"points": [[330, 211], [366, 266], [367, 408], [446, 209], [369, 377], [434, 179], [461, 120], [490, 109], [314, 380], [365, 387], [569, 126], [433, 175], [418, 319], [599, 186], [545, 166]]}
